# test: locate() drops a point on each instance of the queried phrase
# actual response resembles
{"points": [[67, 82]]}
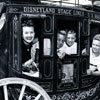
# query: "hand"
{"points": [[34, 64], [89, 72], [93, 68], [31, 71], [28, 63], [61, 54]]}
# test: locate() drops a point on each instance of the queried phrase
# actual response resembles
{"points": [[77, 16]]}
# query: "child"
{"points": [[60, 43], [70, 44]]}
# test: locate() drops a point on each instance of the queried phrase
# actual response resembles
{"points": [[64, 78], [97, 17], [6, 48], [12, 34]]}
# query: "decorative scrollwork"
{"points": [[78, 95]]}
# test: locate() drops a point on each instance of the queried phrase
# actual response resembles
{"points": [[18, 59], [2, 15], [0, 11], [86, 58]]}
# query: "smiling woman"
{"points": [[28, 37], [28, 47], [95, 57]]}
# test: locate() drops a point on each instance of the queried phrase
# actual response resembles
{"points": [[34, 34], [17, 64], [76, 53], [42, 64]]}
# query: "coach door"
{"points": [[72, 67]]}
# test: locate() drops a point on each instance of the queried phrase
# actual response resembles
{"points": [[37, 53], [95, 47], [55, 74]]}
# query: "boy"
{"points": [[60, 43], [71, 45]]}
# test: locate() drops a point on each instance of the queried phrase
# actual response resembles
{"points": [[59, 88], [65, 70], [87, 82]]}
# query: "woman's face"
{"points": [[28, 34], [96, 46]]}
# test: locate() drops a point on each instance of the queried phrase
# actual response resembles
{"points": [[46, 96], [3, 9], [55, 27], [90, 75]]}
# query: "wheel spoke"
{"points": [[24, 83], [22, 92], [5, 92], [37, 97]]}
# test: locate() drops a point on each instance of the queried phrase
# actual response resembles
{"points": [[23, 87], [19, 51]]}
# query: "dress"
{"points": [[70, 50], [28, 56], [94, 61], [26, 49]]}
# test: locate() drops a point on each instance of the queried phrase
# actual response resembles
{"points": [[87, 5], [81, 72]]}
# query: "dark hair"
{"points": [[27, 23]]}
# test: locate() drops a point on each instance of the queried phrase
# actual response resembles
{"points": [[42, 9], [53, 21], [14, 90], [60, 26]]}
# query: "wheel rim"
{"points": [[25, 83]]}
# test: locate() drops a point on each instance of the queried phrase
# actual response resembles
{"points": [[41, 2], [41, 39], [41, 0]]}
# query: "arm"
{"points": [[94, 70], [33, 50], [60, 54], [96, 73], [28, 63]]}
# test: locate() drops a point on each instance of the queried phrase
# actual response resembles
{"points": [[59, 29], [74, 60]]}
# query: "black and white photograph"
{"points": [[49, 49]]}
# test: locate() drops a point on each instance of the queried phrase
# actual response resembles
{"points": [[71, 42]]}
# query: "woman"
{"points": [[28, 47]]}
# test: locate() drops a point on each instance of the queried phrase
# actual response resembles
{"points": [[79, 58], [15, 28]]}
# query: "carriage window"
{"points": [[30, 48], [67, 51], [67, 38], [66, 44], [47, 46]]}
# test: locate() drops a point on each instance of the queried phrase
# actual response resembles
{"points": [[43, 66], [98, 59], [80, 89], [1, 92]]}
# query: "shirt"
{"points": [[70, 49], [95, 61], [26, 49]]}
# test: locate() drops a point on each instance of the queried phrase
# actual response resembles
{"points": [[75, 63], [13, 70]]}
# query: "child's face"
{"points": [[96, 46], [60, 40], [70, 39], [28, 34]]}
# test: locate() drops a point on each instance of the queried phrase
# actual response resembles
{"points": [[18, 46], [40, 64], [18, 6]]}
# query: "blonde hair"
{"points": [[96, 37], [62, 32], [71, 32]]}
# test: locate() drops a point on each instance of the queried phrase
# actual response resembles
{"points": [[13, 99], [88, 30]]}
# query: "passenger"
{"points": [[94, 68], [60, 43], [71, 45], [29, 46]]}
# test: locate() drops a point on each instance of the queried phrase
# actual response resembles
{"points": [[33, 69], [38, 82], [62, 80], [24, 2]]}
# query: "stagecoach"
{"points": [[49, 17]]}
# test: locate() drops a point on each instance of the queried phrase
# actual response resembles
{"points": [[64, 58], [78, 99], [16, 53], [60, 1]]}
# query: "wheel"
{"points": [[24, 83]]}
